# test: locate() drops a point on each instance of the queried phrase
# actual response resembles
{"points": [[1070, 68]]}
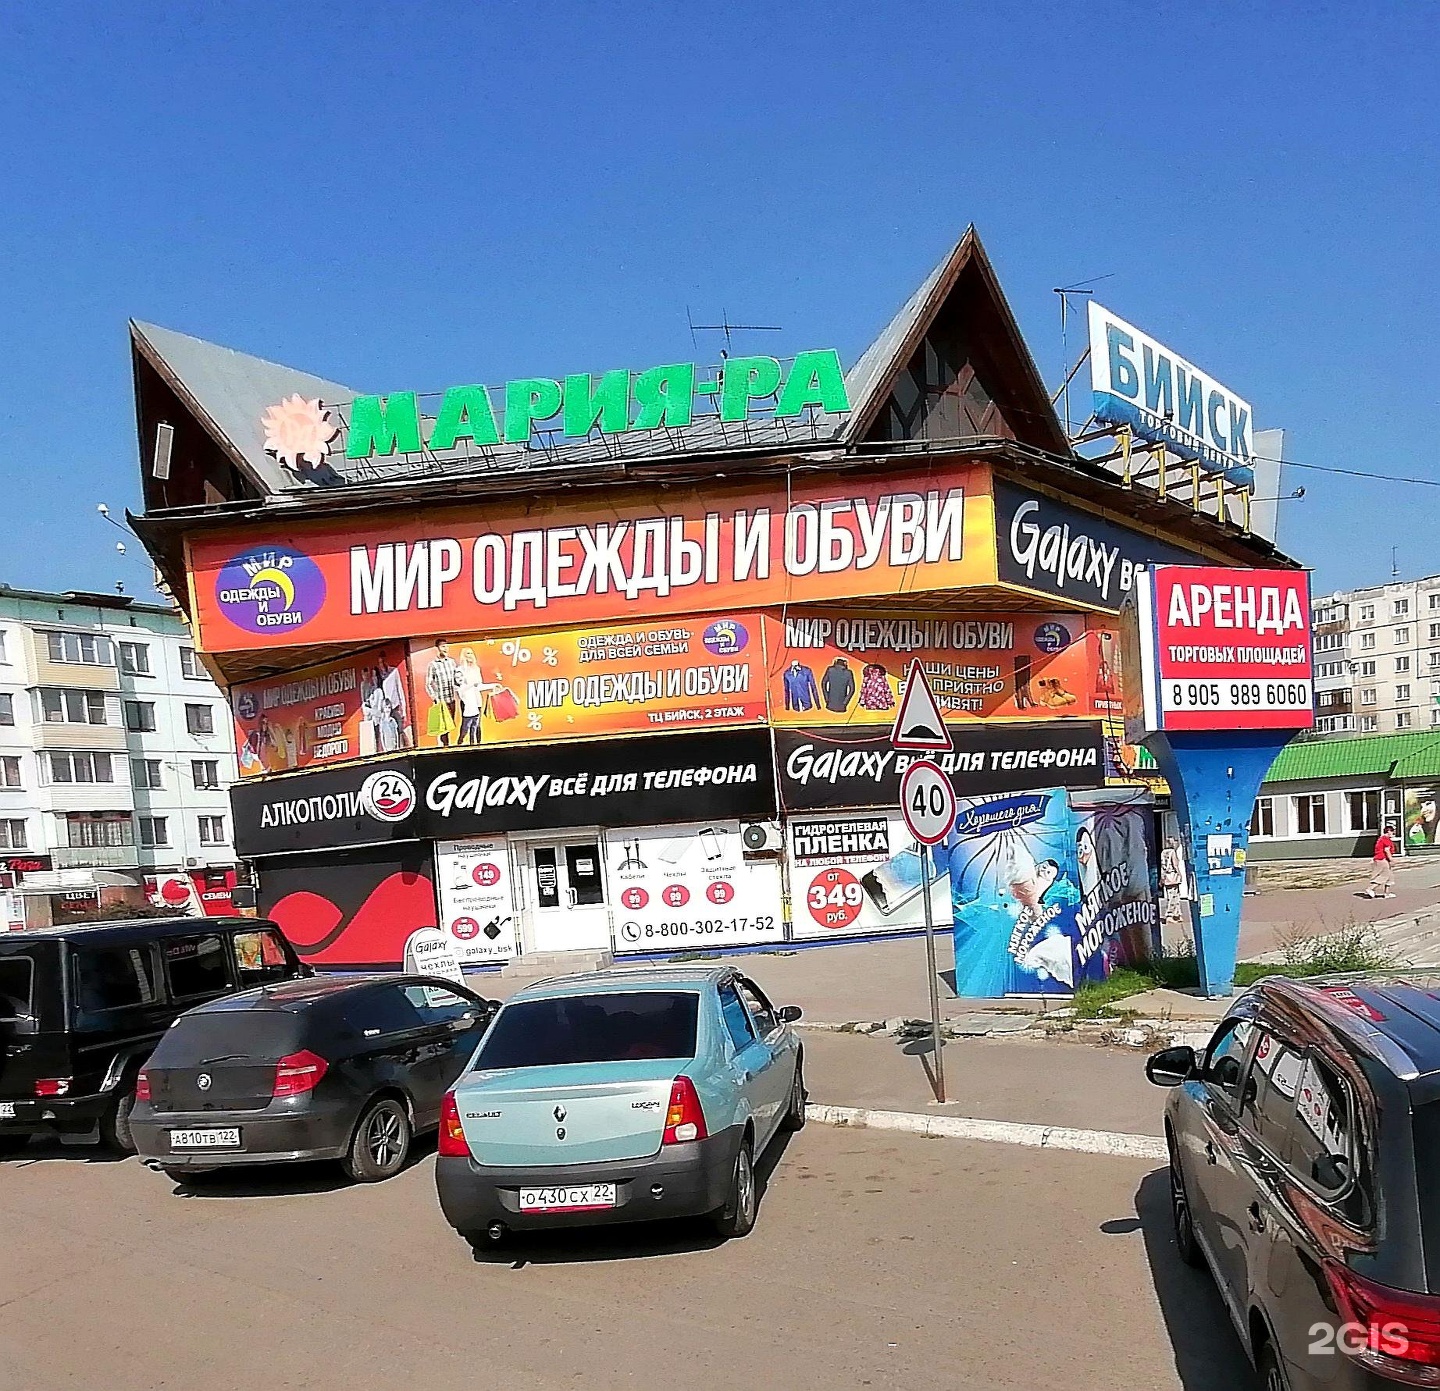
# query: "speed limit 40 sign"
{"points": [[927, 802]]}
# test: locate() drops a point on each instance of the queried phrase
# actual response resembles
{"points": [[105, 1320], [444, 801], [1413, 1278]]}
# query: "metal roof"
{"points": [[231, 392], [625, 978], [1394, 756]]}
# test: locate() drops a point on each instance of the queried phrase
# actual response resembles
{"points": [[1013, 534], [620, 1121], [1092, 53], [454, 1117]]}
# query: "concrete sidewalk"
{"points": [[1273, 914], [1023, 1080]]}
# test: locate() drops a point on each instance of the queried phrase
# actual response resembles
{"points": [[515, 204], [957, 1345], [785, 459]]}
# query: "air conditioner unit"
{"points": [[762, 838]]}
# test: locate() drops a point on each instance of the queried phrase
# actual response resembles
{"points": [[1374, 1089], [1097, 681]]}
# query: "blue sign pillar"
{"points": [[1214, 776]]}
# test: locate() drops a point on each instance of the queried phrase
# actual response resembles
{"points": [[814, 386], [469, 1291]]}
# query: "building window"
{"points": [[207, 773], [1367, 642], [1402, 719], [1402, 690], [1327, 615], [1434, 630], [1364, 810], [1402, 608], [1402, 637], [190, 666], [145, 773], [80, 649], [212, 830], [7, 703], [140, 716], [1330, 642], [1309, 814], [5, 661], [99, 832], [1435, 661], [72, 707], [154, 831], [1434, 603], [1367, 696], [200, 719], [12, 835], [135, 658], [1262, 819], [1402, 665], [1324, 669], [1367, 668], [9, 771], [1367, 613], [1369, 724], [1435, 715], [79, 767]]}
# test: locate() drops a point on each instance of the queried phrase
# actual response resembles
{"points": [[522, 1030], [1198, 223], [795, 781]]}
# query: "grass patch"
{"points": [[1353, 947]]}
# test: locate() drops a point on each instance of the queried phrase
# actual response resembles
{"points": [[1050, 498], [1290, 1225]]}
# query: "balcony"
{"points": [[95, 857], [1341, 625]]}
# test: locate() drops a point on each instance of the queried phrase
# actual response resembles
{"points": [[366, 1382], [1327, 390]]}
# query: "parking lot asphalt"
{"points": [[878, 1260]]}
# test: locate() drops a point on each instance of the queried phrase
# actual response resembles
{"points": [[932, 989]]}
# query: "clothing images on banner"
{"points": [[592, 682], [983, 666]]}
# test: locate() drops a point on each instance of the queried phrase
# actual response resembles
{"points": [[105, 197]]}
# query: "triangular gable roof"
{"points": [[872, 378], [228, 392]]}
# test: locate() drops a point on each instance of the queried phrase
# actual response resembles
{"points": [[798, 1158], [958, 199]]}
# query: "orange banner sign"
{"points": [[588, 682], [837, 667], [324, 714], [634, 555]]}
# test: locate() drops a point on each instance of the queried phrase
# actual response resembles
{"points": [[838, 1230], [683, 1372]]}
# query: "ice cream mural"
{"points": [[1046, 896]]}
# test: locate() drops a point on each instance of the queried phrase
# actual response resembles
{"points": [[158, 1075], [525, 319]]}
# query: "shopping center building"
{"points": [[609, 663]]}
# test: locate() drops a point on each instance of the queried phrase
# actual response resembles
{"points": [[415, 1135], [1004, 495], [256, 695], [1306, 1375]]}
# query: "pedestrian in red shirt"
{"points": [[1383, 875]]}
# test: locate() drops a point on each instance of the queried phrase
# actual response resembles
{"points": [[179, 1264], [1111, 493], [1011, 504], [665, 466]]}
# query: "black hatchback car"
{"points": [[82, 1006], [1305, 1172], [347, 1068]]}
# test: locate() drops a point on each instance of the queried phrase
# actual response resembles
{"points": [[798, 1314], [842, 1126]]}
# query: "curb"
{"points": [[1004, 1132]]}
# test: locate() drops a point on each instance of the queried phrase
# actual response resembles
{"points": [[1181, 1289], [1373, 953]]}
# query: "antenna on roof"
{"points": [[727, 328], [1067, 371], [1394, 562]]}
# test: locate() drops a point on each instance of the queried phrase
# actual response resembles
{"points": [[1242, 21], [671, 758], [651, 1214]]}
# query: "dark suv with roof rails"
{"points": [[82, 1006], [1305, 1173]]}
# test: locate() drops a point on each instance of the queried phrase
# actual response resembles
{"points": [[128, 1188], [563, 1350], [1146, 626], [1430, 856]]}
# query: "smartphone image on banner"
{"points": [[892, 885]]}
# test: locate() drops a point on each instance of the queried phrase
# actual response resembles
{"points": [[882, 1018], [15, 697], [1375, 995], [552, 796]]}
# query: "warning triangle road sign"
{"points": [[919, 723]]}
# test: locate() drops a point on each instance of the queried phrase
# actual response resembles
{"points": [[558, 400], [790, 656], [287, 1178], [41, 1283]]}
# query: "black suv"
{"points": [[82, 1006], [346, 1068], [1305, 1172]]}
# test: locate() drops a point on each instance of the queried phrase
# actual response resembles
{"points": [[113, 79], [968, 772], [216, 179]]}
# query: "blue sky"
{"points": [[403, 196]]}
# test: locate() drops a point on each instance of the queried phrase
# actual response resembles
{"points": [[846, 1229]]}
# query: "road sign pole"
{"points": [[924, 852]]}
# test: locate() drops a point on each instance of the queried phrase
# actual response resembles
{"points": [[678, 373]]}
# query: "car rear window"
{"points": [[17, 985], [592, 1029], [231, 1034]]}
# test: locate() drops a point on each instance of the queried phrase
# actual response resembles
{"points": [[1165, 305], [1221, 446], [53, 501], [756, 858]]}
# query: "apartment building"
{"points": [[1377, 658], [116, 755]]}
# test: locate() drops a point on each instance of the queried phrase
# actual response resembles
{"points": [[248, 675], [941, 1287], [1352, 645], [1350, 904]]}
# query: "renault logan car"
{"points": [[1305, 1173], [620, 1096]]}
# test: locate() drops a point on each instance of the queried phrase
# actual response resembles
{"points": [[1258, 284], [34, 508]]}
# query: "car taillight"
{"points": [[685, 1120], [299, 1073], [142, 1087], [52, 1086], [1397, 1333], [452, 1137]]}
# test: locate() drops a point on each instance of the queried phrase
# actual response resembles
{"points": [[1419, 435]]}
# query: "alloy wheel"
{"points": [[745, 1187], [383, 1137]]}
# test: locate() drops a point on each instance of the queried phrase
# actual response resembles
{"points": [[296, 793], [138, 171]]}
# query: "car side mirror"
{"points": [[1171, 1067], [790, 1014], [1330, 1171]]}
